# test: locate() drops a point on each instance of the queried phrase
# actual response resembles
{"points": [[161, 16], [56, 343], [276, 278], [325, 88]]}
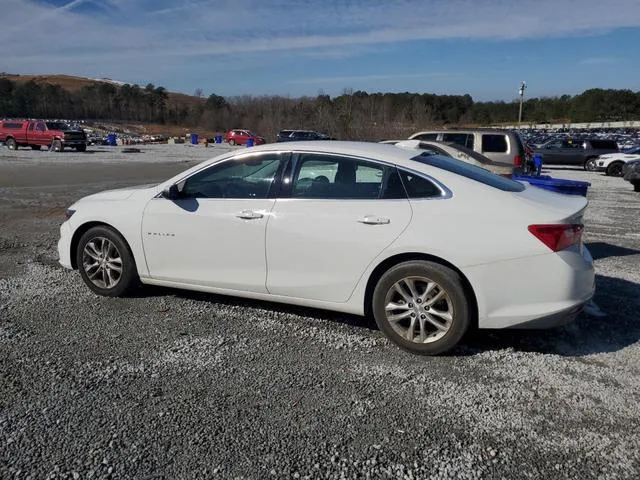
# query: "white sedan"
{"points": [[428, 245], [612, 163]]}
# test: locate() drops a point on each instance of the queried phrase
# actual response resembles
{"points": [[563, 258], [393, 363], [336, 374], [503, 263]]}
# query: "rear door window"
{"points": [[494, 143], [462, 139], [333, 177]]}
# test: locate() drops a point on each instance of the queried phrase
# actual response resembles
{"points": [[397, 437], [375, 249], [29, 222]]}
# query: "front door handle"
{"points": [[249, 215], [374, 220]]}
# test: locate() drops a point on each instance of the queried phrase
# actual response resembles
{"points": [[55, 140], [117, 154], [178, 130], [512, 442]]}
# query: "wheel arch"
{"points": [[85, 227], [388, 263]]}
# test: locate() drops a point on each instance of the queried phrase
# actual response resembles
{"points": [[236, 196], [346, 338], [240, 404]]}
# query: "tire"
{"points": [[36, 147], [81, 148], [452, 302], [57, 146], [590, 164], [11, 144], [232, 142], [615, 169], [636, 187], [90, 257]]}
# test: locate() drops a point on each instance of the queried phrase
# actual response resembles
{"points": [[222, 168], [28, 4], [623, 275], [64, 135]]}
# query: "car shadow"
{"points": [[589, 334], [600, 250], [314, 313]]}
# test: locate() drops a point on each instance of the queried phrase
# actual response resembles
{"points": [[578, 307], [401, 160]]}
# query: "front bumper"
{"points": [[64, 246]]}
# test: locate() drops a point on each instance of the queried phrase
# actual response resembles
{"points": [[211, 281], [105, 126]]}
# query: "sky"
{"points": [[301, 47]]}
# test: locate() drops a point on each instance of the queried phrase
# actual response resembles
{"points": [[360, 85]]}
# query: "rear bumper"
{"points": [[534, 292]]}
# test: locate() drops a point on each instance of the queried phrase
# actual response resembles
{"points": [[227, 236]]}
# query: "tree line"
{"points": [[352, 115]]}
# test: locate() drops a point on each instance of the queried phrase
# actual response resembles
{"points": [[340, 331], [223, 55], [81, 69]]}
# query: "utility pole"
{"points": [[521, 92]]}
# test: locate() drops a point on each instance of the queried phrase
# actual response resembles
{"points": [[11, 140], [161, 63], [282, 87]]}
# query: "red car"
{"points": [[240, 137], [41, 133]]}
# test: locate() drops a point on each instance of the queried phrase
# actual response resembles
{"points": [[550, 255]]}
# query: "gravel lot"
{"points": [[173, 384]]}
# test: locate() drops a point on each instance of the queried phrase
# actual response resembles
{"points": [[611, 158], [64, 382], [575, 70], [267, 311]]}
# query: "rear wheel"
{"points": [[422, 307], [81, 148], [636, 187], [11, 144], [590, 164], [57, 146], [615, 169], [105, 263]]}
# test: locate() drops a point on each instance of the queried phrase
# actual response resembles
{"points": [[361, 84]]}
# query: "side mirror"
{"points": [[171, 192]]}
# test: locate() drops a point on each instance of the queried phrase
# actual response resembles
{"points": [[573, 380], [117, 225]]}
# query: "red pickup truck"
{"points": [[39, 133]]}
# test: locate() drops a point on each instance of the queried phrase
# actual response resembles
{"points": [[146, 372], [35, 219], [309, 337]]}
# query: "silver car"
{"points": [[501, 146]]}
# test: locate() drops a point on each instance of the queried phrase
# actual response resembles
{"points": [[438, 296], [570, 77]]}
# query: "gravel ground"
{"points": [[173, 384]]}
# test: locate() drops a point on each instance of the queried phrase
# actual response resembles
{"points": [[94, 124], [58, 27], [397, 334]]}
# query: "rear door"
{"points": [[340, 215]]}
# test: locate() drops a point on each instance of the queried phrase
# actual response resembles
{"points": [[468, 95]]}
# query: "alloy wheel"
{"points": [[419, 309], [102, 262]]}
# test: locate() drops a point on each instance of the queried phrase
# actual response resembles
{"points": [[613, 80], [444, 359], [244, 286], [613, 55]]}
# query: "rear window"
{"points": [[604, 144], [494, 143], [13, 125], [471, 171]]}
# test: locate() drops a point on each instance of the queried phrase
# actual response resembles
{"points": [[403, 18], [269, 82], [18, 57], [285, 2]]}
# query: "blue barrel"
{"points": [[537, 163], [559, 185], [249, 142], [218, 138], [194, 139], [111, 139]]}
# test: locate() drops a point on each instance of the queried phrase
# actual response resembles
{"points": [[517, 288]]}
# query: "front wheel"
{"points": [[105, 262], [422, 307], [81, 148], [615, 169], [590, 164], [57, 146], [232, 142], [636, 187]]}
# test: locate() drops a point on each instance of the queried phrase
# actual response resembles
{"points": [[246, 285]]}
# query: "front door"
{"points": [[214, 233], [337, 220]]}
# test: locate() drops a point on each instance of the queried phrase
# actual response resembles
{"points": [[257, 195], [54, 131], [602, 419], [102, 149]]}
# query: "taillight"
{"points": [[517, 161], [558, 237]]}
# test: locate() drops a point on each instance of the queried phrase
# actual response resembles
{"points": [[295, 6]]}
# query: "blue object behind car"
{"points": [[559, 185]]}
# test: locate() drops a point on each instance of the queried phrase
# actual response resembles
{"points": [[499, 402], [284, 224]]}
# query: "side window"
{"points": [[426, 136], [462, 139], [494, 143], [31, 125], [417, 186], [239, 178], [333, 177], [40, 127]]}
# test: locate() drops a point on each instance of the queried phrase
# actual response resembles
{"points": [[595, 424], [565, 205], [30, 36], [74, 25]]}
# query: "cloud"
{"points": [[148, 35], [599, 61], [364, 78]]}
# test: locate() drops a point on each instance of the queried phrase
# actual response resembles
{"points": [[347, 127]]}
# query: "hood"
{"points": [[119, 193]]}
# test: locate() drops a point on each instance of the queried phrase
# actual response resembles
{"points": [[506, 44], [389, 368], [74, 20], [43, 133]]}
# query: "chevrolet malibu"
{"points": [[428, 246]]}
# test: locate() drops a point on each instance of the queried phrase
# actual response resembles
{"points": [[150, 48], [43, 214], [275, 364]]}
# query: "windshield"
{"points": [[471, 171], [633, 151], [57, 126]]}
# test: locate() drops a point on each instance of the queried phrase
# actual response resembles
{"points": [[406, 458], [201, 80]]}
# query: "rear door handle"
{"points": [[249, 215], [374, 220]]}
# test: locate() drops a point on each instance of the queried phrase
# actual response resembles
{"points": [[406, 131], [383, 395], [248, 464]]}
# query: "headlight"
{"points": [[69, 213]]}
